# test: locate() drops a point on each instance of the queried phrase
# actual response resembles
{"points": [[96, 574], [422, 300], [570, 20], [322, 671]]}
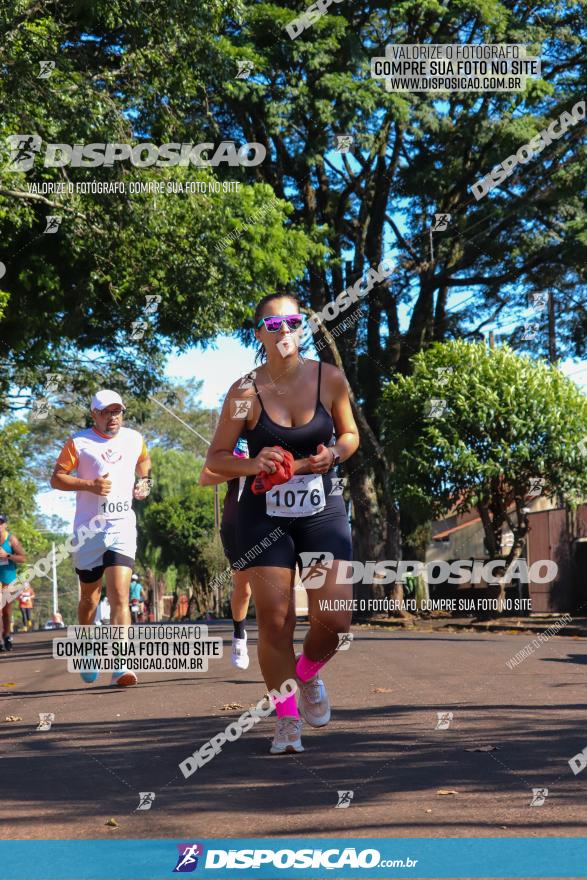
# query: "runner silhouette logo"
{"points": [[314, 568], [23, 148], [187, 860]]}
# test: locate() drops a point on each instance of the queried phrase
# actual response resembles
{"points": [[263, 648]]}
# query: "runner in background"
{"points": [[136, 598], [241, 590], [103, 609], [25, 600], [11, 554], [106, 458]]}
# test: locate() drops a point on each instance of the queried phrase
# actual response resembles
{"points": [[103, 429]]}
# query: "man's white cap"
{"points": [[106, 398]]}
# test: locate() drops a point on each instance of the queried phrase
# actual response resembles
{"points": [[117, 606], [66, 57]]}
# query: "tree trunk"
{"points": [[174, 602], [376, 532]]}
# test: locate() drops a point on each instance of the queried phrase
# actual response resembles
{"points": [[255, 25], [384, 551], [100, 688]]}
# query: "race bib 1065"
{"points": [[115, 506]]}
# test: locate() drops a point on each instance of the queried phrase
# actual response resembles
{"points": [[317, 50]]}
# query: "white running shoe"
{"points": [[240, 654], [313, 702], [287, 736]]}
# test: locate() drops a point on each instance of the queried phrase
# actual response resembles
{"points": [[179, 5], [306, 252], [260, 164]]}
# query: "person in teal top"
{"points": [[11, 553], [136, 598]]}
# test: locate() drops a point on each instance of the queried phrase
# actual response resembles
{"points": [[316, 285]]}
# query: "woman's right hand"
{"points": [[265, 460]]}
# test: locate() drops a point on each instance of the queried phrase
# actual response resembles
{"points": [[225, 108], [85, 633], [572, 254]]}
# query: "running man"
{"points": [[241, 592], [105, 458], [11, 554], [293, 408]]}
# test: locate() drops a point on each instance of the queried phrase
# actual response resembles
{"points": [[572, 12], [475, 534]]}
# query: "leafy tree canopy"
{"points": [[476, 427]]}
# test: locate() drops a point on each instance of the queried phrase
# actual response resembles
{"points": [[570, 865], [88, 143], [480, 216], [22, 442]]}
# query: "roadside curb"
{"points": [[511, 626]]}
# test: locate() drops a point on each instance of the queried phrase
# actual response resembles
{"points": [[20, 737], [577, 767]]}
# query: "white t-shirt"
{"points": [[92, 454]]}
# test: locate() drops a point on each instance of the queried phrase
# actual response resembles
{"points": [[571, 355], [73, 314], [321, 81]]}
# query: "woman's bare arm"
{"points": [[209, 478], [220, 459], [345, 427]]}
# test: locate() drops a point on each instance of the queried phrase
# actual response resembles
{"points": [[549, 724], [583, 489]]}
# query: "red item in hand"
{"points": [[283, 473]]}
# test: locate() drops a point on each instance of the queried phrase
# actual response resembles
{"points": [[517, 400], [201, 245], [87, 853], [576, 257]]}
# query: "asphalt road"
{"points": [[107, 744]]}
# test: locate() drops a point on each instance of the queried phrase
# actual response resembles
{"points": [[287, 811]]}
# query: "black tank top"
{"points": [[302, 440]]}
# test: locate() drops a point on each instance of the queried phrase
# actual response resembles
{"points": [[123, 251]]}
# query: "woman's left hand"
{"points": [[322, 461]]}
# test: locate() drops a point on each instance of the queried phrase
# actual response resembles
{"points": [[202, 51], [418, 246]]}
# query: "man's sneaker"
{"points": [[240, 654], [287, 736], [313, 702], [123, 678], [8, 643]]}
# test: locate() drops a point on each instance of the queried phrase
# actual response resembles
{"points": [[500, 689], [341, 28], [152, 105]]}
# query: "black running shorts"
{"points": [[260, 543], [110, 558]]}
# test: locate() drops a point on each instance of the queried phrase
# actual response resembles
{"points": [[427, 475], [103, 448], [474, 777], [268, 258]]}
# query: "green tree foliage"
{"points": [[130, 71], [176, 526], [16, 487], [415, 155], [117, 66], [506, 427]]}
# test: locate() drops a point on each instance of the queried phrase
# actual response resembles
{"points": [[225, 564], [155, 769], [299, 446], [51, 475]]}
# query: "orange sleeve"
{"points": [[144, 453], [68, 457]]}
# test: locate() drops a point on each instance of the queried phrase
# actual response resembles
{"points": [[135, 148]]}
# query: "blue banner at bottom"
{"points": [[384, 858]]}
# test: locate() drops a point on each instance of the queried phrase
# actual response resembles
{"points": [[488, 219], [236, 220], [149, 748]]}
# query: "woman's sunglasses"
{"points": [[273, 322]]}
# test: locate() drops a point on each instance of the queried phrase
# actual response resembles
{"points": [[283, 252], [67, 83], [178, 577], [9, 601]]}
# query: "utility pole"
{"points": [[55, 596], [54, 567], [491, 339], [551, 329], [216, 508]]}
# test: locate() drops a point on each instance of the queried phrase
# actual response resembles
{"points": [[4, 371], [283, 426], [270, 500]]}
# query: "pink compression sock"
{"points": [[307, 669], [288, 706]]}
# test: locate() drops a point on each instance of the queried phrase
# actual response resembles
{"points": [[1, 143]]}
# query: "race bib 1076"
{"points": [[303, 495]]}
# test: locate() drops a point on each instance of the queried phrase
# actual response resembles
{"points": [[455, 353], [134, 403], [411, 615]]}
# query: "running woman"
{"points": [[241, 590], [290, 413], [11, 553], [106, 458], [25, 601]]}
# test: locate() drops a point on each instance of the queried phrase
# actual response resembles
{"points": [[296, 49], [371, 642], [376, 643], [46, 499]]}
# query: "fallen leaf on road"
{"points": [[483, 749], [382, 690], [8, 684], [228, 706], [13, 718], [112, 822], [446, 791], [428, 811]]}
